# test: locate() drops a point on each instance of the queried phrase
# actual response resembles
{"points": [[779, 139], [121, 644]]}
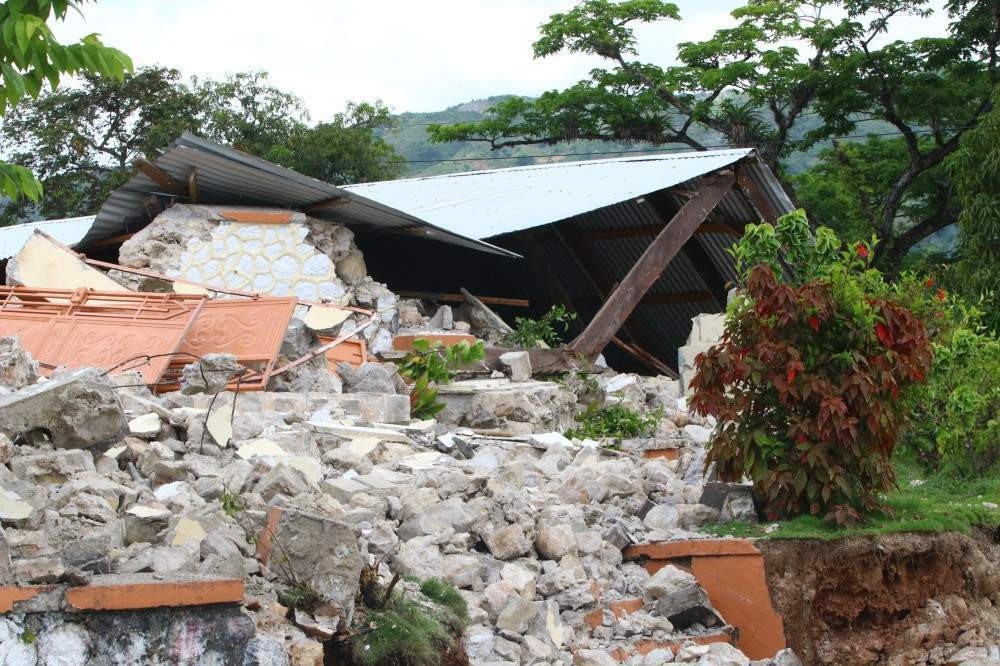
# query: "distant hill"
{"points": [[430, 159]]}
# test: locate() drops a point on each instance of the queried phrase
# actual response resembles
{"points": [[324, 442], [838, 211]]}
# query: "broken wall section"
{"points": [[266, 251]]}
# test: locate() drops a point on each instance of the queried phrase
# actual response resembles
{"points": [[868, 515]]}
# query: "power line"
{"points": [[674, 149]]}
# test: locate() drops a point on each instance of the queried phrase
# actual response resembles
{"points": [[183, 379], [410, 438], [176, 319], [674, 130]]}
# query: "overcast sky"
{"points": [[415, 56]]}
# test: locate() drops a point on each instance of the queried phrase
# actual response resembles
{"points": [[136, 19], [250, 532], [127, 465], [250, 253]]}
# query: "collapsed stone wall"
{"points": [[292, 255]]}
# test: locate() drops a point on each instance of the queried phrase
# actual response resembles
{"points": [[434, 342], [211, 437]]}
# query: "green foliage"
{"points": [[975, 170], [763, 81], [430, 365], [616, 421], [530, 332], [954, 426], [921, 503], [297, 597], [28, 636], [347, 149], [447, 596], [406, 632], [84, 138], [30, 56], [807, 379], [231, 502]]}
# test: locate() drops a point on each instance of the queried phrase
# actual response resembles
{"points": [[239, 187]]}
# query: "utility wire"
{"points": [[673, 149]]}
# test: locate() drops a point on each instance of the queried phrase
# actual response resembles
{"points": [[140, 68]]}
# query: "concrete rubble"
{"points": [[529, 526], [300, 487]]}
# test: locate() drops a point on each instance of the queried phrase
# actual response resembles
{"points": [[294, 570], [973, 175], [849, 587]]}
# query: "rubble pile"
{"points": [[101, 476]]}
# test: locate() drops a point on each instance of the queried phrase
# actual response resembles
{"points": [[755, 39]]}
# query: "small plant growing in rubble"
{"points": [[232, 505], [529, 332], [419, 627], [807, 380], [615, 421], [430, 365]]}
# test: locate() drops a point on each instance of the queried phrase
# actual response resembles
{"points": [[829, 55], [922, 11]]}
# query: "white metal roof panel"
{"points": [[68, 231], [484, 204]]}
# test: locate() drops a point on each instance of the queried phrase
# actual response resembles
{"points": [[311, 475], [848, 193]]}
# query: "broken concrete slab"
{"points": [[76, 409], [147, 425], [211, 374], [518, 364], [320, 552]]}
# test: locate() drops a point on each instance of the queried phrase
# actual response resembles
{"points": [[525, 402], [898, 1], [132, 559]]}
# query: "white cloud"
{"points": [[416, 56]]}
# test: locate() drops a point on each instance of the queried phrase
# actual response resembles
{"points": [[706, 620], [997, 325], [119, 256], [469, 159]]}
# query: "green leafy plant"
{"points": [[29, 637], [232, 505], [529, 332], [955, 427], [430, 365], [807, 380], [615, 421]]}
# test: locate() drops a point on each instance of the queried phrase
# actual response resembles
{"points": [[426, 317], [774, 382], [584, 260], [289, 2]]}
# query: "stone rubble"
{"points": [[528, 525]]}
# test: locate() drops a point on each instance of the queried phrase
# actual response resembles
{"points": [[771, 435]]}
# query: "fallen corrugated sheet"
{"points": [[230, 177], [98, 329]]}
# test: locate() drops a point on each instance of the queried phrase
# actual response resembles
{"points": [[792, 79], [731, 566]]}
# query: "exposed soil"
{"points": [[893, 599]]}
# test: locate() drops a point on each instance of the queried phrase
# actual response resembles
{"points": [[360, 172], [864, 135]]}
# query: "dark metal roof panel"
{"points": [[229, 176]]}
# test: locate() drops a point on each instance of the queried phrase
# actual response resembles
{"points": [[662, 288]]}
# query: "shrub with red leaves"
{"points": [[805, 383]]}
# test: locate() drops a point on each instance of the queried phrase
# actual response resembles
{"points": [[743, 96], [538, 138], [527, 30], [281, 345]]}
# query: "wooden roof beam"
{"points": [[160, 177], [627, 295]]}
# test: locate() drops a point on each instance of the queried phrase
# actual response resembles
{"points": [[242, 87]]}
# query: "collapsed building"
{"points": [[208, 452]]}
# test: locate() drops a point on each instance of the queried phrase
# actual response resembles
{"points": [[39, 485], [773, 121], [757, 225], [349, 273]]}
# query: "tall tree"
{"points": [[245, 111], [975, 169], [754, 85], [82, 140], [347, 149], [30, 56]]}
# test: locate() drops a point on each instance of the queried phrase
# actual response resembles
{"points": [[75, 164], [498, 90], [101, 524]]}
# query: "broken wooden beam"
{"points": [[630, 291], [459, 298], [161, 177]]}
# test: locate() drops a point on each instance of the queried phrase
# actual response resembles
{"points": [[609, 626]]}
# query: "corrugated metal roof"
{"points": [[484, 204], [67, 231], [228, 176]]}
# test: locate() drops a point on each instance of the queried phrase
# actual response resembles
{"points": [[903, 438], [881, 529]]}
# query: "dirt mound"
{"points": [[902, 598]]}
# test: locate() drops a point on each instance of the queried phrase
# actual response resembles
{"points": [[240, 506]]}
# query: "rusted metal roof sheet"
{"points": [[228, 176]]}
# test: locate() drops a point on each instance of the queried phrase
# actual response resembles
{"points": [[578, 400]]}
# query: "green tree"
{"points": [[347, 149], [756, 83], [82, 140], [245, 111], [975, 170], [30, 56]]}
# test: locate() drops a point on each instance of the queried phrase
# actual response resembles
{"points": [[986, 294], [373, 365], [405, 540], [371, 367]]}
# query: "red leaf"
{"points": [[814, 323], [862, 250], [882, 331]]}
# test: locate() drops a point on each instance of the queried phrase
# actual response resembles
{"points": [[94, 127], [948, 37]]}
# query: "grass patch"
{"points": [[447, 596], [404, 632], [935, 504]]}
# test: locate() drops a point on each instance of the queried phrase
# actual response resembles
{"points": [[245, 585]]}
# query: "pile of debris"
{"points": [[102, 476], [297, 469]]}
